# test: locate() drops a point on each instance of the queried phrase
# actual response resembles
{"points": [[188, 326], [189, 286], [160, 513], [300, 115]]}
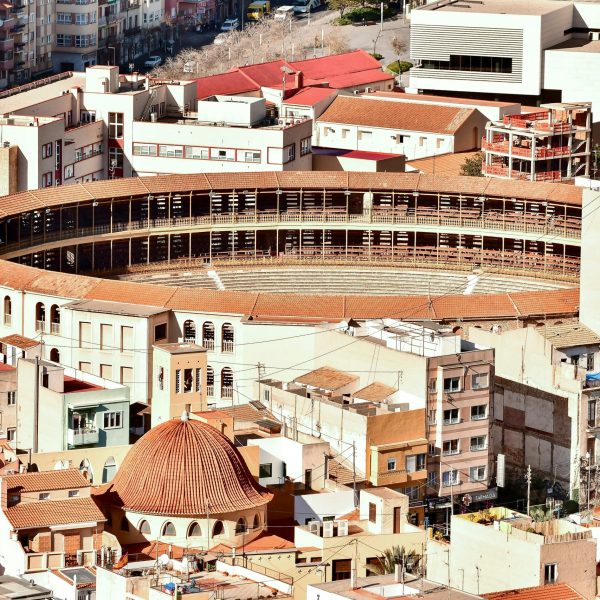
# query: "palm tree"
{"points": [[393, 556]]}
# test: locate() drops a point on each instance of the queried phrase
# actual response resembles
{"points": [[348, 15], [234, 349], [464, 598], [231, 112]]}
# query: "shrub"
{"points": [[400, 67], [376, 55]]}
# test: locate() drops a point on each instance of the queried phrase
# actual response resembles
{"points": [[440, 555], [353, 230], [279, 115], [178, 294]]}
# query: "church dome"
{"points": [[185, 468]]}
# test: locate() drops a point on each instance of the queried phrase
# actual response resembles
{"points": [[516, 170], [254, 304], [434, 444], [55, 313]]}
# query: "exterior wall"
{"points": [[8, 384], [532, 427], [590, 250], [314, 507], [9, 179]]}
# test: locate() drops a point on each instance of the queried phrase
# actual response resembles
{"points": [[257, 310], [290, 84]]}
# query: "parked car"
{"points": [[283, 13], [221, 39], [153, 61], [306, 6], [230, 25]]}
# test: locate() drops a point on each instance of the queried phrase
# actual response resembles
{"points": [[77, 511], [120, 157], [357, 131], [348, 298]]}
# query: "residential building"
{"points": [[59, 408], [540, 50], [17, 588], [415, 130], [553, 144], [75, 35], [9, 461], [500, 550], [48, 520], [8, 402]]}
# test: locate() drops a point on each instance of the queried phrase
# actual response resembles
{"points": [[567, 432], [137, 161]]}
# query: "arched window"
{"points": [[40, 317], [86, 469], [55, 355], [189, 331], [194, 530], [227, 337], [208, 335], [144, 527], [256, 523], [241, 526], [109, 470], [55, 319], [124, 524], [168, 529], [7, 310], [226, 383], [218, 529], [210, 381]]}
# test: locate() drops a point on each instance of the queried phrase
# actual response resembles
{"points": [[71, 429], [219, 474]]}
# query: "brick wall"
{"points": [[44, 542], [72, 542]]}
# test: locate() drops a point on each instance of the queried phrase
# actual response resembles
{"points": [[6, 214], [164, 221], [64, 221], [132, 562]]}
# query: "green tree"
{"points": [[393, 556], [342, 5], [472, 165]]}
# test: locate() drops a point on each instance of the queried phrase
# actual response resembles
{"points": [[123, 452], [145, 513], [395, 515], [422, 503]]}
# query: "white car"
{"points": [[221, 39], [230, 25], [153, 61]]}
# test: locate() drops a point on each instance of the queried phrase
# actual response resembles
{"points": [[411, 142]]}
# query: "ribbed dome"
{"points": [[185, 468]]}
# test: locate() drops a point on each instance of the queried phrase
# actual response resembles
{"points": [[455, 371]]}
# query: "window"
{"points": [[431, 479], [364, 134], [196, 152], [12, 398], [194, 530], [145, 150], [451, 384], [391, 464], [160, 332], [265, 470], [85, 366], [305, 146], [478, 443], [451, 416], [11, 434], [345, 132], [489, 64], [222, 154], [478, 412], [439, 142], [398, 138], [479, 381], [241, 527], [218, 529], [62, 17], [145, 527], [550, 573], [169, 529], [73, 493], [126, 375], [115, 125], [177, 381], [126, 338], [115, 160], [198, 380], [412, 492], [415, 462], [106, 371], [68, 171], [47, 150], [289, 153], [431, 450], [47, 179], [422, 141], [43, 496], [188, 380], [372, 512], [87, 116], [113, 420], [590, 362], [477, 473], [450, 447], [64, 40], [106, 337], [432, 417], [450, 478], [168, 151], [251, 156]]}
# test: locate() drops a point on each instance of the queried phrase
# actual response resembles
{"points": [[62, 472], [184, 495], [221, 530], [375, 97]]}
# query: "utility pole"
{"points": [[354, 472], [528, 487]]}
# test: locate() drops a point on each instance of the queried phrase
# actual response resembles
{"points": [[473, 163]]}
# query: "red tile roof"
{"points": [[310, 96], [226, 84], [181, 468], [18, 341], [557, 591], [370, 112], [46, 481], [354, 79], [264, 542], [336, 64], [31, 515]]}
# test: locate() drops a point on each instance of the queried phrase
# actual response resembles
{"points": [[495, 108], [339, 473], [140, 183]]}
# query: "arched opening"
{"points": [[208, 335], [144, 527], [109, 470], [168, 529], [194, 530], [55, 319], [189, 331], [256, 522], [54, 355], [210, 381], [218, 529], [7, 310], [241, 526], [226, 383], [227, 337], [40, 317], [86, 469]]}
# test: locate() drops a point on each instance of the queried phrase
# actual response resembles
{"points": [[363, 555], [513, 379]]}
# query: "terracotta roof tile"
{"points": [[441, 99], [558, 302], [372, 112], [568, 334], [442, 164], [130, 292], [375, 392], [63, 284], [228, 302], [182, 468], [299, 305], [484, 306], [557, 591], [326, 378], [19, 341], [30, 515], [230, 83], [310, 96], [336, 64], [47, 481]]}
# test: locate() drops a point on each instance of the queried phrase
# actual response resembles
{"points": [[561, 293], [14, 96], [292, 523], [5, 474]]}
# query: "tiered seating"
{"points": [[197, 278]]}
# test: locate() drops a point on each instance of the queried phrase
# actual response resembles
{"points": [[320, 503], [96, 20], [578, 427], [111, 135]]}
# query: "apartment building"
{"points": [[48, 520], [538, 50], [500, 549], [377, 124], [552, 144]]}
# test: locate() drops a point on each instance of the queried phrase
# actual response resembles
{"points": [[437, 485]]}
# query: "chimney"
{"points": [[299, 79]]}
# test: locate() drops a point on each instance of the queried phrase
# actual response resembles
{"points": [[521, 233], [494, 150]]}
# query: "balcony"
{"points": [[42, 561], [6, 45], [8, 23], [227, 346], [210, 391], [227, 391], [209, 344], [55, 328], [82, 437], [7, 320], [5, 65], [40, 326]]}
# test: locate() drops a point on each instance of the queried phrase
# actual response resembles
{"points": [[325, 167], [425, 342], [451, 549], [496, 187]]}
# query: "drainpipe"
{"points": [[36, 404]]}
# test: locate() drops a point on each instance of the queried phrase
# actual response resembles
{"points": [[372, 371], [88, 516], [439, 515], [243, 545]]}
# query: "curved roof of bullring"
{"points": [[264, 306], [163, 184]]}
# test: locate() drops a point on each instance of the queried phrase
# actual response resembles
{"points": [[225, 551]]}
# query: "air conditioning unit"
{"points": [[342, 527], [327, 529], [313, 527]]}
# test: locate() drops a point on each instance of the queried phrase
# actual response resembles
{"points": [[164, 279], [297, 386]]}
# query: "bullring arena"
{"points": [[284, 249]]}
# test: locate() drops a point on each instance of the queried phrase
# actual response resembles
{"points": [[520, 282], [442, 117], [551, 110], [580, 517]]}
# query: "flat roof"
{"points": [[505, 7], [21, 589], [180, 348], [384, 492], [578, 45], [115, 308]]}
